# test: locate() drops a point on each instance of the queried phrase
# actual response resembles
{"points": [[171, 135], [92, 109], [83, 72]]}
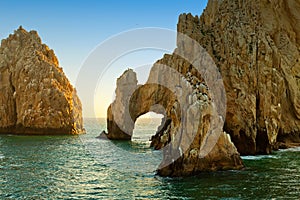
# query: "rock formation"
{"points": [[191, 134], [36, 97], [256, 47]]}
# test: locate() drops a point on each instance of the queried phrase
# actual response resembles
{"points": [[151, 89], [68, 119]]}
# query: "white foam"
{"points": [[259, 157], [295, 149]]}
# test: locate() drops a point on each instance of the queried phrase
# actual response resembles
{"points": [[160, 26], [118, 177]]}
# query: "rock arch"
{"points": [[183, 154], [134, 100]]}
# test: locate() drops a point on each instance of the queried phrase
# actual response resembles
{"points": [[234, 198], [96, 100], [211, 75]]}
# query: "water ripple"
{"points": [[64, 168]]}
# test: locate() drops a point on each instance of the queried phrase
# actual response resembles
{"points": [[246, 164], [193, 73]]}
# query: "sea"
{"points": [[85, 167]]}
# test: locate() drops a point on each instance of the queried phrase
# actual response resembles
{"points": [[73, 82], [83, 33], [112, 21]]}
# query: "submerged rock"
{"points": [[102, 135], [36, 97]]}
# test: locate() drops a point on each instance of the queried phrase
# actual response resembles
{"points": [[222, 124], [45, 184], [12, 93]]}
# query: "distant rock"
{"points": [[36, 97]]}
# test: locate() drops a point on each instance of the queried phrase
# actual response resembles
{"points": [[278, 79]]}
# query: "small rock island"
{"points": [[35, 95]]}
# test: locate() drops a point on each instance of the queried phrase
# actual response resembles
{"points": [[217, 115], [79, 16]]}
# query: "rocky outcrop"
{"points": [[191, 135], [256, 46], [120, 125], [36, 97]]}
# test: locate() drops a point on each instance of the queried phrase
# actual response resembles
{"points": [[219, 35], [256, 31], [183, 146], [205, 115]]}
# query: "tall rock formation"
{"points": [[256, 45], [35, 95]]}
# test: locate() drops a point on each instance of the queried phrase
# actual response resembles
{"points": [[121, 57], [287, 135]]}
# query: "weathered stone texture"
{"points": [[256, 46], [35, 95]]}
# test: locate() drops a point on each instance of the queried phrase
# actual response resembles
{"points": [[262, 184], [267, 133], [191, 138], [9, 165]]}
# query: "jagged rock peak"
{"points": [[36, 97]]}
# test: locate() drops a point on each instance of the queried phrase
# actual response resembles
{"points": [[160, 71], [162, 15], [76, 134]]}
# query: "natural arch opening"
{"points": [[145, 127]]}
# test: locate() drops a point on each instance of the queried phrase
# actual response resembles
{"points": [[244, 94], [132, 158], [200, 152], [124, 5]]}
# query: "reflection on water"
{"points": [[86, 167]]}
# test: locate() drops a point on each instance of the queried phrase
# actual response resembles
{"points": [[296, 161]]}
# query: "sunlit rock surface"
{"points": [[35, 95], [256, 45]]}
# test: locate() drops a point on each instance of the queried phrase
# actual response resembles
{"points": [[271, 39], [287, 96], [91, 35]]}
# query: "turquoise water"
{"points": [[83, 167]]}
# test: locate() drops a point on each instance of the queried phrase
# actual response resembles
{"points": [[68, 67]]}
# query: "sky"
{"points": [[76, 29]]}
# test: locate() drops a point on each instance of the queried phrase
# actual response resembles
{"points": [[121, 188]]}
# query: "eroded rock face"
{"points": [[191, 135], [119, 123], [256, 47], [35, 95]]}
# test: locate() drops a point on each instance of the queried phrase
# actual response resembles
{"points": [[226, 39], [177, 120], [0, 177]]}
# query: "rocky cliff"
{"points": [[35, 95], [256, 46]]}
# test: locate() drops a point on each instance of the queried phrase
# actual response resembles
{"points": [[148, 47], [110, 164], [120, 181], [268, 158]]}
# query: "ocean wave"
{"points": [[295, 149]]}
